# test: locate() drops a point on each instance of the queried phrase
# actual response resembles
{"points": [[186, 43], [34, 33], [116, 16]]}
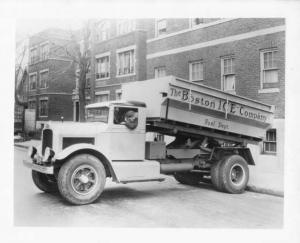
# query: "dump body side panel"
{"points": [[178, 100]]}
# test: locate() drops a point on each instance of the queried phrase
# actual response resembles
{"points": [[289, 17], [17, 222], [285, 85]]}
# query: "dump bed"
{"points": [[185, 102]]}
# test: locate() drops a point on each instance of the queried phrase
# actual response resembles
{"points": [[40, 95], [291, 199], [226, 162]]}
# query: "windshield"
{"points": [[98, 114]]}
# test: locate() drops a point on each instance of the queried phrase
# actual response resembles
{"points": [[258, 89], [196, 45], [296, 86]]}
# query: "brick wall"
{"points": [[233, 27], [246, 53], [137, 39], [61, 76]]}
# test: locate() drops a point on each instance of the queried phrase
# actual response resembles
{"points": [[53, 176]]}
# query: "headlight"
{"points": [[31, 151], [48, 154]]}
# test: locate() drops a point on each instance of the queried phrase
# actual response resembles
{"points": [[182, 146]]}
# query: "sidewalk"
{"points": [[261, 180], [266, 182], [28, 143]]}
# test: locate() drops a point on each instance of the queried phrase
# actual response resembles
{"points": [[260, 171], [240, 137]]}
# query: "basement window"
{"points": [[270, 142]]}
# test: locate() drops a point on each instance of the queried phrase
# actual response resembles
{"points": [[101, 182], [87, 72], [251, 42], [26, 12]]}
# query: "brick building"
{"points": [[241, 56], [51, 76]]}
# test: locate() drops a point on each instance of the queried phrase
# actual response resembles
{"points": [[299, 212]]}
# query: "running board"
{"points": [[142, 180]]}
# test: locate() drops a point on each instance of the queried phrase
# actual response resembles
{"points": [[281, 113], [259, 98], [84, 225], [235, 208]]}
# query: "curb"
{"points": [[272, 192]]}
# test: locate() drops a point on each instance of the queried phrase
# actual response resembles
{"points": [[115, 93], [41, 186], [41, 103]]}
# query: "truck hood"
{"points": [[74, 129]]}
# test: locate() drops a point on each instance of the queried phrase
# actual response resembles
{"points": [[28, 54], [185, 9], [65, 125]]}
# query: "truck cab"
{"points": [[125, 124]]}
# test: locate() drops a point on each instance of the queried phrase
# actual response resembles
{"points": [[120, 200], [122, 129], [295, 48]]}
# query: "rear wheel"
{"points": [[45, 182], [81, 179], [215, 175], [188, 178], [234, 174]]}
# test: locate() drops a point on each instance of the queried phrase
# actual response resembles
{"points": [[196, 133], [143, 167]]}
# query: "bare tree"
{"points": [[78, 50], [83, 59], [20, 78]]}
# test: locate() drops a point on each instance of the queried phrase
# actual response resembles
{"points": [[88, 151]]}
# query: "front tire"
{"points": [[46, 183], [81, 179]]}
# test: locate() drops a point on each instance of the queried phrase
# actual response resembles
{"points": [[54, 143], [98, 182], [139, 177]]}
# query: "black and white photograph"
{"points": [[132, 121]]}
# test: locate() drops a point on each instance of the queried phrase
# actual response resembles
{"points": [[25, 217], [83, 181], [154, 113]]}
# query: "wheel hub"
{"points": [[84, 179], [237, 174]]}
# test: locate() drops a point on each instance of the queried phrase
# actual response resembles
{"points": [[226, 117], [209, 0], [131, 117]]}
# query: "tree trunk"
{"points": [[18, 87], [81, 94]]}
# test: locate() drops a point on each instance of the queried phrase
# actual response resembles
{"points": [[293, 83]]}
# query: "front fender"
{"points": [[87, 148]]}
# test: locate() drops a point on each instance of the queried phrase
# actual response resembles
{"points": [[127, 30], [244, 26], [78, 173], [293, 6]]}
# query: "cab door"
{"points": [[127, 133]]}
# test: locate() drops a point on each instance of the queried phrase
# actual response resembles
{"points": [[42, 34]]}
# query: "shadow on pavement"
{"points": [[117, 194]]}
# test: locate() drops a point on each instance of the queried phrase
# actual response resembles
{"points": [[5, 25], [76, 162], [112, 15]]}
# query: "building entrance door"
{"points": [[77, 111]]}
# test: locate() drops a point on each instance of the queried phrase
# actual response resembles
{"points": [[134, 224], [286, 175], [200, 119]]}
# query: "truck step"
{"points": [[142, 180]]}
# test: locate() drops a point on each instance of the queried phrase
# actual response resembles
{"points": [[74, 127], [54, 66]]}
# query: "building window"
{"points": [[228, 74], [125, 26], [87, 83], [125, 62], [102, 96], [77, 76], [43, 107], [118, 94], [196, 71], [270, 143], [103, 31], [269, 70], [102, 67], [32, 82], [196, 21], [161, 27], [44, 79], [159, 72], [44, 51], [31, 104], [34, 55]]}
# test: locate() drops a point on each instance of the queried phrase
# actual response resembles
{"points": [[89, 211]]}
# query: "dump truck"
{"points": [[208, 132]]}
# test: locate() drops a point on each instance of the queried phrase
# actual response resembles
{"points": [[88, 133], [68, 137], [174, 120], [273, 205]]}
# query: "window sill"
{"points": [[100, 79], [269, 153], [269, 90], [125, 75], [43, 116]]}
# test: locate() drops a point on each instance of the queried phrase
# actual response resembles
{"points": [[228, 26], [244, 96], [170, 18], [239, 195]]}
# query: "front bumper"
{"points": [[46, 169]]}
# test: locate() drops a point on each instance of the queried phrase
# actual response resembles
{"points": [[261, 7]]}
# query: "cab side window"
{"points": [[126, 116]]}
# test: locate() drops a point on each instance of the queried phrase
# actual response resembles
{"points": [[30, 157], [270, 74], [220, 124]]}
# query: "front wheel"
{"points": [[46, 183], [81, 179]]}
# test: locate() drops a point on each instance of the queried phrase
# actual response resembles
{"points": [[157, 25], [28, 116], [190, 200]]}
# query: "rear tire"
{"points": [[234, 174], [215, 175], [188, 178], [81, 179], [46, 183]]}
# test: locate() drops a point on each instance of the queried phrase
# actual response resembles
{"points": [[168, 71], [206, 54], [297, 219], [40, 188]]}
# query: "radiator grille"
{"points": [[47, 139]]}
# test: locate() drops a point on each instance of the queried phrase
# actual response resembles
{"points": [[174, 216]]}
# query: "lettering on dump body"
{"points": [[217, 104]]}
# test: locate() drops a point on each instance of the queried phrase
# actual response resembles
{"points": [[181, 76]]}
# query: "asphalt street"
{"points": [[148, 204]]}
